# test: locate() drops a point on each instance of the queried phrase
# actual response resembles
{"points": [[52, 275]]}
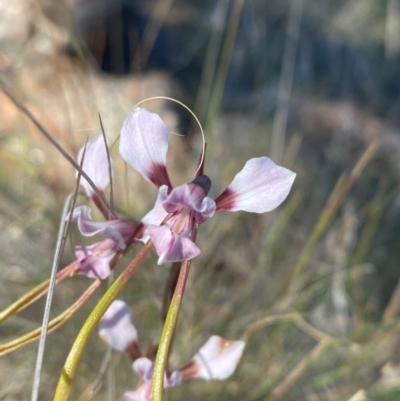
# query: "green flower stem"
{"points": [[67, 376], [169, 329], [168, 333]]}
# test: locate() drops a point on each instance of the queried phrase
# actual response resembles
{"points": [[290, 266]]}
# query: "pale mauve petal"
{"points": [[144, 367], [116, 326], [171, 247], [174, 379], [260, 187], [119, 230], [216, 360], [142, 393], [193, 197], [94, 260], [95, 165], [143, 145], [156, 215]]}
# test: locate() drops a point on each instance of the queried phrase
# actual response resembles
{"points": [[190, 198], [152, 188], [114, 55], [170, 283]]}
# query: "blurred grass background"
{"points": [[312, 287]]}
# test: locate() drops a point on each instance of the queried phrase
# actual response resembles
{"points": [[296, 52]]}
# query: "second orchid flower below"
{"points": [[215, 360]]}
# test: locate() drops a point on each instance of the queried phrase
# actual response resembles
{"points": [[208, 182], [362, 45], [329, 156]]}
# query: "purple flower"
{"points": [[187, 204], [260, 187], [94, 260], [216, 359]]}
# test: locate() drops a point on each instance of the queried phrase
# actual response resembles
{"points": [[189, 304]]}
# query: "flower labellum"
{"points": [[188, 205]]}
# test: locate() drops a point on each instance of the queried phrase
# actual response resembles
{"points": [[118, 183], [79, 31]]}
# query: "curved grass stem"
{"points": [[53, 324], [36, 293]]}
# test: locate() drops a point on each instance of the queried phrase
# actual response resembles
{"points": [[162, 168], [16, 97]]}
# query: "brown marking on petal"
{"points": [[226, 200], [133, 350], [223, 345], [190, 370], [159, 175], [138, 232]]}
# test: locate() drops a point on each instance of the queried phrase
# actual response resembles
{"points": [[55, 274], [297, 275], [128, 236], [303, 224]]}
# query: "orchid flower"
{"points": [[216, 360], [259, 187], [94, 260]]}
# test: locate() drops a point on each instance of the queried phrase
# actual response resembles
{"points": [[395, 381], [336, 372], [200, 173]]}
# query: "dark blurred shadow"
{"points": [[113, 32]]}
